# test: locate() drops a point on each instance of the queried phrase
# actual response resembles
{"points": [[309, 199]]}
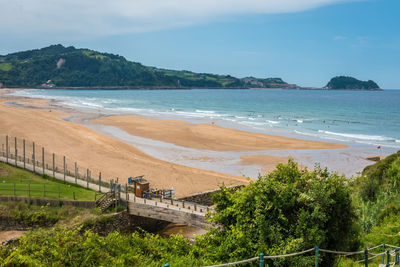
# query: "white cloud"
{"points": [[104, 17]]}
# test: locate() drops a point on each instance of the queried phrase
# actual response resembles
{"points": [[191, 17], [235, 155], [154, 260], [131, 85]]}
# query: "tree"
{"points": [[286, 211]]}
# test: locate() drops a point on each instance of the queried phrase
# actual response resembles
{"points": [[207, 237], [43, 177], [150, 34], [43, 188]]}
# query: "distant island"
{"points": [[57, 66], [344, 82]]}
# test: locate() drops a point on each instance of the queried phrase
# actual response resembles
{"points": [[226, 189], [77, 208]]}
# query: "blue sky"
{"points": [[297, 40]]}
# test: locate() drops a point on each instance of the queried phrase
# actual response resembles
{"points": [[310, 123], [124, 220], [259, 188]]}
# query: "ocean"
{"points": [[363, 117]]}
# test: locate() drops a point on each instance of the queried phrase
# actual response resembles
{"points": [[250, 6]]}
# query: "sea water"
{"points": [[364, 117]]}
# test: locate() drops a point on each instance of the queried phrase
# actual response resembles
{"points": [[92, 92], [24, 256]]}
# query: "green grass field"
{"points": [[43, 187]]}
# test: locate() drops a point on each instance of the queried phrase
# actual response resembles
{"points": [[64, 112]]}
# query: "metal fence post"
{"points": [[316, 255], [387, 258], [396, 258], [383, 253], [7, 148], [366, 257], [100, 182], [33, 156], [87, 178], [76, 173], [16, 151], [54, 163], [261, 259], [43, 159], [23, 148], [64, 166]]}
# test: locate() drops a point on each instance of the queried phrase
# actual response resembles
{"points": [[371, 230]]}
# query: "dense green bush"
{"points": [[70, 248], [288, 210]]}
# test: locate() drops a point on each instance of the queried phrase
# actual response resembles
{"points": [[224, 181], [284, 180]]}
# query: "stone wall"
{"points": [[124, 223], [204, 198]]}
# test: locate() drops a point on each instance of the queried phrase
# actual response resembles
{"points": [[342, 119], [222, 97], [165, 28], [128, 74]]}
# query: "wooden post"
{"points": [[33, 156], [43, 159], [366, 257], [7, 148], [16, 151], [23, 149], [127, 195], [64, 166], [54, 167], [76, 173], [87, 178], [316, 255], [100, 182]]}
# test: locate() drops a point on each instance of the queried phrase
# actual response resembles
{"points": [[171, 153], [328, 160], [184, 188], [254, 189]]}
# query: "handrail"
{"points": [[343, 253]]}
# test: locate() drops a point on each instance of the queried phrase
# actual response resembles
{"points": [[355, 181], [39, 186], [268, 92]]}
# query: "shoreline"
{"points": [[187, 88], [107, 155], [344, 158]]}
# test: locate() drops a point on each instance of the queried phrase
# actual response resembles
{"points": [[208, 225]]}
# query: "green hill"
{"points": [[344, 82], [71, 67]]}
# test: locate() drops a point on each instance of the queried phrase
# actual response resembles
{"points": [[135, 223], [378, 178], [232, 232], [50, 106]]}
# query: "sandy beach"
{"points": [[208, 136], [36, 120]]}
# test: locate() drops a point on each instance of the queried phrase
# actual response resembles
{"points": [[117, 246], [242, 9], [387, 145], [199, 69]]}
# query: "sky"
{"points": [[306, 42]]}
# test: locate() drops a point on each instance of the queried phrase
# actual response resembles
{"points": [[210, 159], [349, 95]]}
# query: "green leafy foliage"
{"points": [[287, 211], [71, 248], [377, 194]]}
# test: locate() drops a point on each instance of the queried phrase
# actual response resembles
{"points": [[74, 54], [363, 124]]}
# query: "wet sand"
{"points": [[79, 137], [102, 153], [266, 163], [208, 136]]}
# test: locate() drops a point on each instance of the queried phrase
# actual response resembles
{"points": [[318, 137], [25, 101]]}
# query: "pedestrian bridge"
{"points": [[170, 210]]}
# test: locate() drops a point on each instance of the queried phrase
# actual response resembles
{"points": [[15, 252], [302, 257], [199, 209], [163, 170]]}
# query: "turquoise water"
{"points": [[364, 117]]}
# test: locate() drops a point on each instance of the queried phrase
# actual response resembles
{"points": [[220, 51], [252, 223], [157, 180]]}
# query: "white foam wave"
{"points": [[272, 122], [205, 111], [299, 121], [359, 136]]}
